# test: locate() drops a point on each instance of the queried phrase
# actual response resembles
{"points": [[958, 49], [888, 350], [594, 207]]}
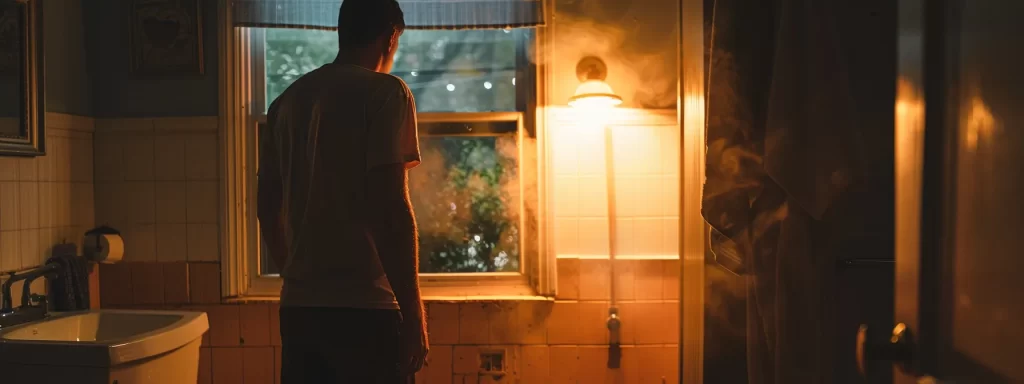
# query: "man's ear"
{"points": [[393, 41], [385, 44]]}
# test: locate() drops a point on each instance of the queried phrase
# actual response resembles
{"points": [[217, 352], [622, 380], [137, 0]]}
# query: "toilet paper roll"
{"points": [[103, 248]]}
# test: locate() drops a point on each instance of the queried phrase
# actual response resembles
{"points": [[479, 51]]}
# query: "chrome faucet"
{"points": [[28, 311]]}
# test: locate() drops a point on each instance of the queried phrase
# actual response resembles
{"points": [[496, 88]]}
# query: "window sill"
{"points": [[435, 288], [426, 299], [510, 291], [485, 299]]}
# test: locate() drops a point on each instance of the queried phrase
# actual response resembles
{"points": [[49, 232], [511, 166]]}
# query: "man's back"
{"points": [[323, 134]]}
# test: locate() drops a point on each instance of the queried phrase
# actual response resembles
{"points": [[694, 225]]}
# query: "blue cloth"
{"points": [[69, 289]]}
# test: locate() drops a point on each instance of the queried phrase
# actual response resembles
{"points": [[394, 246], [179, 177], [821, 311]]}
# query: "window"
{"points": [[475, 92], [448, 71]]}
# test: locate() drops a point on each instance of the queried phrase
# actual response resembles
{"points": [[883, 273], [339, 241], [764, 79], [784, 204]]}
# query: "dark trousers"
{"points": [[340, 345]]}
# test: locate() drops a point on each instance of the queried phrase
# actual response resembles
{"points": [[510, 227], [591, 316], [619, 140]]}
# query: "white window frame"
{"points": [[242, 105]]}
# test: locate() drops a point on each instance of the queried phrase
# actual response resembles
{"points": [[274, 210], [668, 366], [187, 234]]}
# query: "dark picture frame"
{"points": [[167, 37], [23, 70]]}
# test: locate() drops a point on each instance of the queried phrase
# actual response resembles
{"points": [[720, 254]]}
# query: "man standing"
{"points": [[335, 214]]}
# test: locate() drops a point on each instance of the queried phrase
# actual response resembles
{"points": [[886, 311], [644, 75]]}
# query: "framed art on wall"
{"points": [[11, 37], [166, 37]]}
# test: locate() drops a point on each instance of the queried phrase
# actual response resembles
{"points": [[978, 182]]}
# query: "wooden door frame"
{"points": [[924, 128], [692, 228], [927, 128]]}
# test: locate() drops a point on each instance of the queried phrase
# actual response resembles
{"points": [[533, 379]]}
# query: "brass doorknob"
{"points": [[896, 347]]}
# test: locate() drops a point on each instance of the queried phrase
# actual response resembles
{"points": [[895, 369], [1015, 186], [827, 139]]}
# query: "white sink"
{"points": [[129, 346]]}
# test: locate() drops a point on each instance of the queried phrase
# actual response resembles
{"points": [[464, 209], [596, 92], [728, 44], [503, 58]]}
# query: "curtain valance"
{"points": [[419, 14]]}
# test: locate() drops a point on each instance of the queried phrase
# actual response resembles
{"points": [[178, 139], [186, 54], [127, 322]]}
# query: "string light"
{"points": [[513, 81], [414, 73], [451, 87], [487, 84]]}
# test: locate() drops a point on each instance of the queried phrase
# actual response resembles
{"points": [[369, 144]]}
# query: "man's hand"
{"points": [[414, 346]]}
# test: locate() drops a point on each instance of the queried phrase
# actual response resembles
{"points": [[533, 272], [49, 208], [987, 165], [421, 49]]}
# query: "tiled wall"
{"points": [[645, 154], [47, 200], [562, 341], [156, 183]]}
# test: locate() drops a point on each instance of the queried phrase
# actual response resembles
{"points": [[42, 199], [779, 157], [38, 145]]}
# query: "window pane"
{"points": [[459, 71], [267, 266], [466, 197], [448, 71]]}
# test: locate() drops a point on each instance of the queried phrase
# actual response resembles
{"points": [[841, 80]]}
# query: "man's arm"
{"points": [[393, 148], [393, 227]]}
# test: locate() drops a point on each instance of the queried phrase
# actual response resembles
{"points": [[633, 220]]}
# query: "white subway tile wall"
{"points": [[47, 200], [157, 182], [645, 150]]}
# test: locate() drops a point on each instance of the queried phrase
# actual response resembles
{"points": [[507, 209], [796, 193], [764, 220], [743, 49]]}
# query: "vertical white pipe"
{"points": [[609, 164]]}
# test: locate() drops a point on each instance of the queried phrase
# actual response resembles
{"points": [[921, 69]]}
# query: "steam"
{"points": [[740, 200], [467, 194], [642, 71]]}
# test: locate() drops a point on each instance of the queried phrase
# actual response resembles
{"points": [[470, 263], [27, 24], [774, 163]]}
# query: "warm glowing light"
{"points": [[909, 142], [909, 113], [694, 110], [980, 124], [594, 94], [513, 81], [451, 87], [487, 84], [909, 127]]}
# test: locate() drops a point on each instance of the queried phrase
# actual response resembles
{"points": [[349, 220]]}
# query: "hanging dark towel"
{"points": [[69, 290], [813, 136]]}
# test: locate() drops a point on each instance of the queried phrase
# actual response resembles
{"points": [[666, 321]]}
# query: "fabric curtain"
{"points": [[799, 177], [419, 14]]}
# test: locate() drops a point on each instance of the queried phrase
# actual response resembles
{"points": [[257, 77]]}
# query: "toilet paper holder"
{"points": [[98, 238]]}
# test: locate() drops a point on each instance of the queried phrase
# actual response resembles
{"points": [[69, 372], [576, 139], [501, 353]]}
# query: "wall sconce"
{"points": [[593, 91], [592, 94]]}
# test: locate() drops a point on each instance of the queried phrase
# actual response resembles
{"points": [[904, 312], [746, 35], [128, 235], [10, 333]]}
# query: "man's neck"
{"points": [[359, 59]]}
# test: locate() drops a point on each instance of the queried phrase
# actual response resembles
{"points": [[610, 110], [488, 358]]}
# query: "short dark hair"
{"points": [[361, 22]]}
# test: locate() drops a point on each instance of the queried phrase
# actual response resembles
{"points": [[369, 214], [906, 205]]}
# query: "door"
{"points": [[959, 191]]}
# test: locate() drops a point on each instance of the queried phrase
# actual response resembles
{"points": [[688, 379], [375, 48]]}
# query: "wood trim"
{"points": [[545, 278], [619, 257], [431, 297], [233, 221], [909, 168], [443, 117], [692, 246], [254, 106], [70, 122], [452, 286]]}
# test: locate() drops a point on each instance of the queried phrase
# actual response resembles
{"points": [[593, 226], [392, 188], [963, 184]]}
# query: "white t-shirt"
{"points": [[322, 136]]}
